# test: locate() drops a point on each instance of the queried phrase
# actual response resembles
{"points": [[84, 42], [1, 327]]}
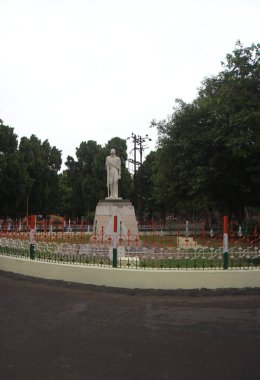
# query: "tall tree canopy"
{"points": [[83, 178], [13, 176], [210, 150], [42, 163], [30, 178]]}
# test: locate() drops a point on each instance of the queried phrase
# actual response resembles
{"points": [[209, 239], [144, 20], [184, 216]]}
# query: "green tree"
{"points": [[42, 163], [65, 194], [83, 178], [210, 148], [90, 156], [13, 176], [148, 188], [8, 139]]}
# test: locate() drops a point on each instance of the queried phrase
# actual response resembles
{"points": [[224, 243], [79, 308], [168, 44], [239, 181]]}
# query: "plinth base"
{"points": [[104, 217], [113, 199]]}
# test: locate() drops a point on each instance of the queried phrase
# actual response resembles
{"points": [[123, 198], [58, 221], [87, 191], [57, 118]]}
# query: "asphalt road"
{"points": [[54, 330]]}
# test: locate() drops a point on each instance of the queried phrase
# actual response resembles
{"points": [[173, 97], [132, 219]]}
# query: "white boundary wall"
{"points": [[133, 278]]}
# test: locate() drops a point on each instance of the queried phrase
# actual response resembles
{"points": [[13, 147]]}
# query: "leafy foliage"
{"points": [[13, 176], [42, 163], [210, 148]]}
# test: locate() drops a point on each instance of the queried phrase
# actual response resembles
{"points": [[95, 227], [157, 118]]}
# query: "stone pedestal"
{"points": [[104, 220]]}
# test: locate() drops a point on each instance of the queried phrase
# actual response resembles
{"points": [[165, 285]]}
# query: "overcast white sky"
{"points": [[79, 70]]}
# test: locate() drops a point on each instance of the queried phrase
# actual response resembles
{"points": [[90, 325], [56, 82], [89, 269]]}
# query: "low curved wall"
{"points": [[131, 278]]}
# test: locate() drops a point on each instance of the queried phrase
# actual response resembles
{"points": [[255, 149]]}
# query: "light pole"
{"points": [[139, 146]]}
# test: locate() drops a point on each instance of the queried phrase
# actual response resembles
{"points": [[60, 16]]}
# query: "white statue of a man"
{"points": [[113, 166]]}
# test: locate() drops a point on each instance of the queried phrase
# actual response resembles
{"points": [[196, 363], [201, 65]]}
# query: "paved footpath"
{"points": [[54, 330]]}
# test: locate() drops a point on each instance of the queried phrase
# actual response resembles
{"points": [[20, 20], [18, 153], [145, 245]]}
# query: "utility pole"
{"points": [[139, 146]]}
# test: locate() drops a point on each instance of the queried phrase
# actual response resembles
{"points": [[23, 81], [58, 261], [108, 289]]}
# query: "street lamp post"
{"points": [[139, 146]]}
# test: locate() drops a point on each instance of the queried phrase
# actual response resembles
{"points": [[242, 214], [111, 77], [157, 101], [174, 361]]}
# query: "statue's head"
{"points": [[113, 152]]}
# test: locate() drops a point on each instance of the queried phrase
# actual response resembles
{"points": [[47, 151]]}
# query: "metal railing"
{"points": [[135, 257]]}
